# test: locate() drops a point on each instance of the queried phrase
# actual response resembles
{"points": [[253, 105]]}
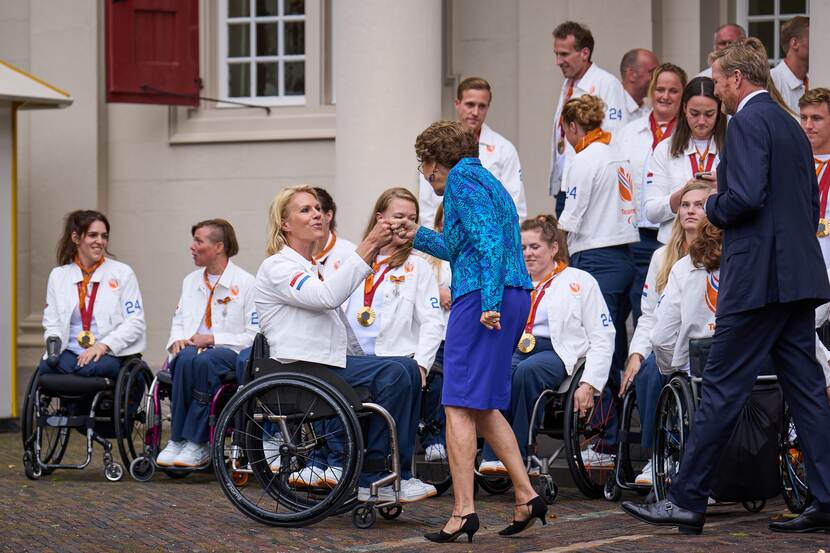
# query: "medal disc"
{"points": [[823, 230], [366, 316], [86, 339], [527, 342], [561, 146]]}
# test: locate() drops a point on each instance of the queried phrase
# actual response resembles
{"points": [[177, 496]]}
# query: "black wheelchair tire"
{"points": [[126, 430], [342, 492], [794, 487], [54, 453], [677, 392]]}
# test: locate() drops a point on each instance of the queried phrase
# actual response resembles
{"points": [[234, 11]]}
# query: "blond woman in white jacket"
{"points": [[300, 314], [93, 303], [688, 304], [568, 321]]}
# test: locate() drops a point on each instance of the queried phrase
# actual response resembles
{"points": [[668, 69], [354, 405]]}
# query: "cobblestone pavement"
{"points": [[81, 511]]}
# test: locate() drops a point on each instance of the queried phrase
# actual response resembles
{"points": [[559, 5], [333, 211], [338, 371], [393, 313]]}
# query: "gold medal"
{"points": [[366, 316], [823, 229], [561, 146], [527, 342], [86, 339]]}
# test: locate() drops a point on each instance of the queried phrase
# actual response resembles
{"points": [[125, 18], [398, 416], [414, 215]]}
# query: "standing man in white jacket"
{"points": [[497, 154], [573, 45], [790, 75]]}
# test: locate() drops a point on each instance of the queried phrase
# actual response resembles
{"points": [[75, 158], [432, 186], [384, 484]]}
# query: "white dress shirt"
{"points": [[791, 87]]}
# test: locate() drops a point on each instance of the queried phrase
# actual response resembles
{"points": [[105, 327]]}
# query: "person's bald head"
{"points": [[636, 68], [726, 35]]}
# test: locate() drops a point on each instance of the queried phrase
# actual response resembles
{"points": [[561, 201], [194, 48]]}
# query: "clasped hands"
{"points": [[197, 340]]}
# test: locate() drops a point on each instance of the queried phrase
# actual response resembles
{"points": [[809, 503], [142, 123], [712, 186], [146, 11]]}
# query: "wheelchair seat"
{"points": [[72, 384], [263, 367]]}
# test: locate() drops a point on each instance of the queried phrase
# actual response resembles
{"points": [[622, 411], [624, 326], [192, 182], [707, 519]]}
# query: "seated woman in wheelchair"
{"points": [[402, 291], [568, 320], [214, 319], [300, 314], [641, 368], [93, 303], [688, 304]]}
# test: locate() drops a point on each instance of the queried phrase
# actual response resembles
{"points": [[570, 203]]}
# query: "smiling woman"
{"points": [[96, 324]]}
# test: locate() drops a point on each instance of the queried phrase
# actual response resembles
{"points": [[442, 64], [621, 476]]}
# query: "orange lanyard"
{"points": [[568, 95], [211, 287], [370, 286], [539, 292], [327, 249], [702, 162], [823, 185], [82, 286]]}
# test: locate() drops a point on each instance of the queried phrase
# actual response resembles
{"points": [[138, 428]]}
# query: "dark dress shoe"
{"points": [[811, 520], [666, 513]]}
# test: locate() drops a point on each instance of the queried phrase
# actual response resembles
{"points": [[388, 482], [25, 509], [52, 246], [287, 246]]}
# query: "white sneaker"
{"points": [[271, 451], [306, 478], [435, 452], [415, 490], [193, 455], [492, 467], [169, 453], [594, 459], [644, 478], [534, 472], [411, 490]]}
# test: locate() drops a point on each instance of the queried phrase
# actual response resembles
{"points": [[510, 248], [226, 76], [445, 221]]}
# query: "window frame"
{"points": [[251, 60], [744, 19], [213, 122]]}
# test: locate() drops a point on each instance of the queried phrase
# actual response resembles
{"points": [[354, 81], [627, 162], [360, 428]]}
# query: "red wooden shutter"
{"points": [[152, 51]]}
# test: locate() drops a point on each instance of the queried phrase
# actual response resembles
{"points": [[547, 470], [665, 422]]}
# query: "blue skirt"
{"points": [[477, 361]]}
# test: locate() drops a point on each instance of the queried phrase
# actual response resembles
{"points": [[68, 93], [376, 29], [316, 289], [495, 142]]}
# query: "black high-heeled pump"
{"points": [[538, 509], [469, 526]]}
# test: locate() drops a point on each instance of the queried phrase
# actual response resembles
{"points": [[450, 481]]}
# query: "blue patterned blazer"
{"points": [[481, 238]]}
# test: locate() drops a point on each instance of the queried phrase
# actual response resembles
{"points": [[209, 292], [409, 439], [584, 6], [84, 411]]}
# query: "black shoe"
{"points": [[666, 513], [469, 527], [538, 509], [811, 520]]}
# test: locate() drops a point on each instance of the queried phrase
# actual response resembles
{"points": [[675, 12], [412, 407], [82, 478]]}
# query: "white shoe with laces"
{"points": [[492, 467], [644, 478], [595, 459], [306, 478], [168, 455], [435, 452], [193, 455], [411, 490]]}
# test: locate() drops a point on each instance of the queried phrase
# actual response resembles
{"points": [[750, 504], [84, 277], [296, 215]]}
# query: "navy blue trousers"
{"points": [[740, 346], [201, 373], [107, 366], [641, 252], [395, 384], [613, 268], [432, 411], [533, 373], [648, 384]]}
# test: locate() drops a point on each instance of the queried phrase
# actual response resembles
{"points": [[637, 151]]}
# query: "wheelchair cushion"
{"points": [[164, 377], [72, 384]]}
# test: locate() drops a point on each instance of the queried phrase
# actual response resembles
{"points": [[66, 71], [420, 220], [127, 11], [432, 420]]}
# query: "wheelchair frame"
{"points": [[37, 417]]}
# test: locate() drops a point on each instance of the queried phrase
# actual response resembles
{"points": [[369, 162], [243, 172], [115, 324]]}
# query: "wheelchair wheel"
{"points": [[131, 409], [494, 486], [588, 435], [314, 421], [793, 473], [53, 441], [675, 413], [755, 506], [436, 473]]}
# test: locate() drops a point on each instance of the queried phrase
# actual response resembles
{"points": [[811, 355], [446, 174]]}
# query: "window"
{"points": [[262, 51], [269, 53], [763, 18]]}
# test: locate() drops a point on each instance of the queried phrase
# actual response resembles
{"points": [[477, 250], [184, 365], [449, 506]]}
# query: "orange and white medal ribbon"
{"points": [[366, 315], [528, 341]]}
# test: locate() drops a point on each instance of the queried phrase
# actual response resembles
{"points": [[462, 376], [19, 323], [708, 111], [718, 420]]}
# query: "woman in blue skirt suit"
{"points": [[490, 303]]}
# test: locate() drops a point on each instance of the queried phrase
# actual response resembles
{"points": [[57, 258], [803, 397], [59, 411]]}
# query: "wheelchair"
{"points": [[53, 406], [561, 423], [157, 406], [675, 415], [307, 406]]}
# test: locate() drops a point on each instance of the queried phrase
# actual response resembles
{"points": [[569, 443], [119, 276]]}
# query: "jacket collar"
{"points": [[487, 136], [588, 82], [690, 147], [757, 96], [789, 77]]}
